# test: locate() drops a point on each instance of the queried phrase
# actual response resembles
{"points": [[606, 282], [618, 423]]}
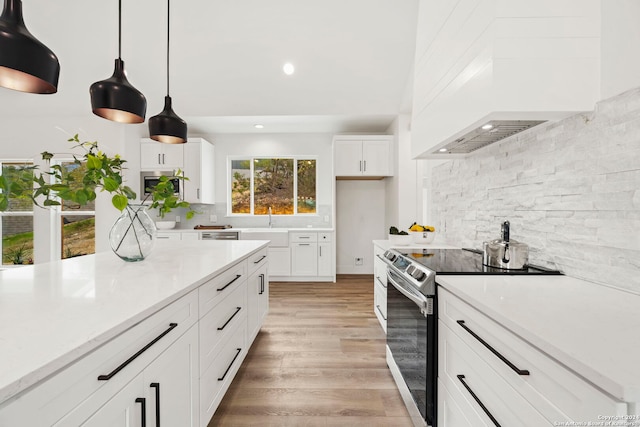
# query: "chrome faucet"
{"points": [[270, 222]]}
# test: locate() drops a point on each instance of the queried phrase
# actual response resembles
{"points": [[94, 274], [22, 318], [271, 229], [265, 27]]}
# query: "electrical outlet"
{"points": [[359, 260], [177, 219], [326, 218], [213, 218]]}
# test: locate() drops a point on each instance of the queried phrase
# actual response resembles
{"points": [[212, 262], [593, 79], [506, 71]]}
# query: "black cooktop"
{"points": [[464, 261]]}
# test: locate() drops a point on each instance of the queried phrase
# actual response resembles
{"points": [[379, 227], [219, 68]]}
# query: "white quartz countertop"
{"points": [[385, 244], [241, 229], [51, 314], [591, 329]]}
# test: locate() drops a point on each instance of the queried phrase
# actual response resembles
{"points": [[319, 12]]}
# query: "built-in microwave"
{"points": [[148, 180]]}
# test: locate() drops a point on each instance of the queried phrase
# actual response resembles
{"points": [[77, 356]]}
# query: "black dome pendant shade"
{"points": [[167, 127], [26, 65], [115, 98]]}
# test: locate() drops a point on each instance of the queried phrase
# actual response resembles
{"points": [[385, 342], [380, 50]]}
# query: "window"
{"points": [[17, 220], [77, 223], [286, 185]]}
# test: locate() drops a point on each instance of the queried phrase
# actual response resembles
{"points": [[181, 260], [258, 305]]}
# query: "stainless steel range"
{"points": [[412, 318]]}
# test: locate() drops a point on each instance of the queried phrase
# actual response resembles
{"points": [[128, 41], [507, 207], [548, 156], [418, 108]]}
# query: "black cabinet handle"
{"points": [[493, 350], [478, 401], [143, 417], [230, 364], [261, 284], [378, 307], [261, 258], [132, 358], [227, 285], [157, 387], [229, 319]]}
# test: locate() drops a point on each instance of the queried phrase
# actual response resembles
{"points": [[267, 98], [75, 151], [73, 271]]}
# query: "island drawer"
{"points": [[116, 362], [554, 390], [216, 289], [257, 260], [221, 321]]}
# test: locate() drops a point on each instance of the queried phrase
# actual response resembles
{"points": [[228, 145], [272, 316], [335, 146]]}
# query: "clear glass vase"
{"points": [[133, 234]]}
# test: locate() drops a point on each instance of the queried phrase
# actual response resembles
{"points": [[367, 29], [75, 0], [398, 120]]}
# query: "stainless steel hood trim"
{"points": [[479, 137]]}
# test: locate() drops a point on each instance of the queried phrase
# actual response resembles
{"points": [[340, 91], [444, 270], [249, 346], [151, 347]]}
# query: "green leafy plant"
{"points": [[103, 173], [18, 255]]}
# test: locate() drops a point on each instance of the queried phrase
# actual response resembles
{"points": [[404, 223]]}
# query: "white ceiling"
{"points": [[353, 60]]}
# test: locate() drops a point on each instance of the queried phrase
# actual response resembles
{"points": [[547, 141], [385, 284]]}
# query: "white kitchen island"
{"points": [[59, 319]]}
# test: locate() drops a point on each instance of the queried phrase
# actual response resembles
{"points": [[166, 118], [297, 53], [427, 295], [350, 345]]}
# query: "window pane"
{"points": [[306, 186], [78, 235], [240, 186], [273, 186], [19, 174], [74, 172], [17, 239]]}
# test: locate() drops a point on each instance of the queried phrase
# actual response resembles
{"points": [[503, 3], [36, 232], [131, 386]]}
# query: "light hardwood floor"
{"points": [[319, 361]]}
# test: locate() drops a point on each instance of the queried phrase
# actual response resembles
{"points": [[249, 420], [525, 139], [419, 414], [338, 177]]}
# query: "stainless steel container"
{"points": [[505, 253]]}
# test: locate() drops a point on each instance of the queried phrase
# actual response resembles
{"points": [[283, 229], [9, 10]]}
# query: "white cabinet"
{"points": [[176, 235], [304, 253], [325, 254], [199, 168], [280, 261], [362, 156], [156, 156], [126, 408], [380, 287], [487, 371], [257, 294]]}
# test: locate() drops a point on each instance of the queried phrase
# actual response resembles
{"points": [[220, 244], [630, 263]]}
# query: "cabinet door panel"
{"points": [[347, 158], [173, 377], [325, 262], [279, 261], [376, 158], [121, 410], [304, 259]]}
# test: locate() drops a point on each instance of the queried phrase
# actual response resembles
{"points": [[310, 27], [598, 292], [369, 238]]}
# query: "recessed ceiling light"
{"points": [[288, 68], [258, 126], [487, 126]]}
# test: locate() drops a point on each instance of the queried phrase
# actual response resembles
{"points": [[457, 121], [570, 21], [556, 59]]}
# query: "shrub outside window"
{"points": [[17, 222], [286, 185]]}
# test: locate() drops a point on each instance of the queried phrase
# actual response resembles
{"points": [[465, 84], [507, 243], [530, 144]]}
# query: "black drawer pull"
{"points": [[478, 401], [261, 258], [132, 358], [261, 284], [227, 285], [230, 364], [381, 314], [143, 410], [493, 350], [229, 319], [157, 387]]}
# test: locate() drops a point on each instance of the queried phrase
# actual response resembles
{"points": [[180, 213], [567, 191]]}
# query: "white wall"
{"points": [[360, 218], [571, 191]]}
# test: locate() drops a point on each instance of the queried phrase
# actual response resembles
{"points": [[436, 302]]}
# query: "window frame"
{"points": [[16, 213], [295, 158]]}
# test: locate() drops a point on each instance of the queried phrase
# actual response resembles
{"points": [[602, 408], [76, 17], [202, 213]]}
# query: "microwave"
{"points": [[148, 180]]}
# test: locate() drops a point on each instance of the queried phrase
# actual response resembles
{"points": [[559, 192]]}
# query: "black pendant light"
{"points": [[167, 127], [26, 64], [115, 98]]}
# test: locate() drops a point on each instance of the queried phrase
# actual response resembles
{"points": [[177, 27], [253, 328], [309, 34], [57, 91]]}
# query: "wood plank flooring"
{"points": [[319, 361]]}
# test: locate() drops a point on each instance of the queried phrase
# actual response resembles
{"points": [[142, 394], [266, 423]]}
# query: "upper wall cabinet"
{"points": [[507, 61], [362, 156], [156, 156], [198, 167]]}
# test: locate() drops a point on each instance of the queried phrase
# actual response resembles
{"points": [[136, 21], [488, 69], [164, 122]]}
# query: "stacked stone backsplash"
{"points": [[570, 189]]}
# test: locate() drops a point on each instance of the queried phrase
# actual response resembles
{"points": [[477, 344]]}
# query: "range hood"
{"points": [[490, 132]]}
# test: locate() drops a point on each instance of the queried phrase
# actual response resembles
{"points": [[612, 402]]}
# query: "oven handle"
{"points": [[421, 302]]}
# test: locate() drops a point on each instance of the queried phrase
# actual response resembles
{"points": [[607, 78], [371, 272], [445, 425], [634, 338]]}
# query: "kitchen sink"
{"points": [[279, 237]]}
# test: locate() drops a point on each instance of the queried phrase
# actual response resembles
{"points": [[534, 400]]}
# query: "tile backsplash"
{"points": [[571, 190]]}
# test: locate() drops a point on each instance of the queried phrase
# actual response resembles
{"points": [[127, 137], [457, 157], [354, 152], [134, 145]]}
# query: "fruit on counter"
{"points": [[395, 231], [417, 227]]}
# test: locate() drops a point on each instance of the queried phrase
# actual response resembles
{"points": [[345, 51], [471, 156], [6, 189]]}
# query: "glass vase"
{"points": [[133, 234]]}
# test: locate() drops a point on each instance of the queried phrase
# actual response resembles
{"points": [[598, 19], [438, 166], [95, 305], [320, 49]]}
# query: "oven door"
{"points": [[411, 339]]}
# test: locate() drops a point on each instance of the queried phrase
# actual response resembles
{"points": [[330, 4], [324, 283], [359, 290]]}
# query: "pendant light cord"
{"points": [[119, 29], [168, 10]]}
